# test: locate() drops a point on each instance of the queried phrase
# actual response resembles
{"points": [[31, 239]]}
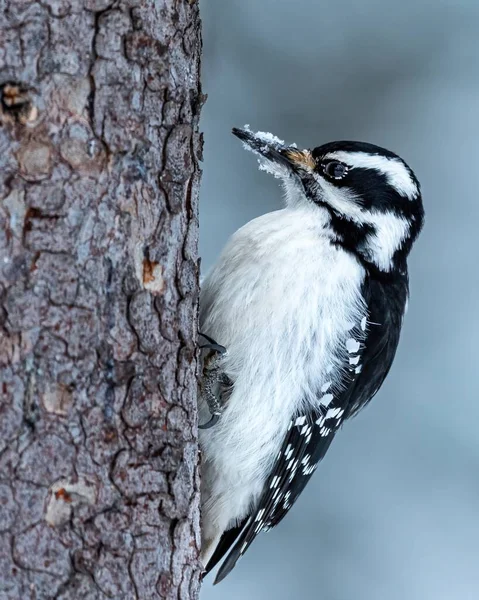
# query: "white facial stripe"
{"points": [[343, 200], [393, 169], [389, 235], [390, 230]]}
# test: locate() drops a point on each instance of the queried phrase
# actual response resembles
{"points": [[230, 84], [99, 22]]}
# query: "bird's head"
{"points": [[372, 197]]}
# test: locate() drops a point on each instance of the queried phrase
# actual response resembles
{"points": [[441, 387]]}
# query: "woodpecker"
{"points": [[302, 315]]}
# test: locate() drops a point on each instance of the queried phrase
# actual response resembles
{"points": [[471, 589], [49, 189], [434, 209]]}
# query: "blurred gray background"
{"points": [[393, 511]]}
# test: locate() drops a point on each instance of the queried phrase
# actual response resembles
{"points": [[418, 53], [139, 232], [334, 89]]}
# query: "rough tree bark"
{"points": [[99, 150]]}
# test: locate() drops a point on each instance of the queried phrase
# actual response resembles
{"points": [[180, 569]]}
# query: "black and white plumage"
{"points": [[309, 302]]}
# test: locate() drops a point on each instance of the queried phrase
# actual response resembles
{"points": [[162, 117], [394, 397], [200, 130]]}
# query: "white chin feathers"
{"points": [[273, 168]]}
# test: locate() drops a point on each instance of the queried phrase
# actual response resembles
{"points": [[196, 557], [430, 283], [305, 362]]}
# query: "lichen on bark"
{"points": [[99, 176]]}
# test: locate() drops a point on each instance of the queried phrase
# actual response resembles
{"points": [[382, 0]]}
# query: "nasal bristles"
{"points": [[301, 158]]}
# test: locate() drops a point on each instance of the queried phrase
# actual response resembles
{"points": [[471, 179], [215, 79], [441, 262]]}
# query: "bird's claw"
{"points": [[212, 422], [212, 345]]}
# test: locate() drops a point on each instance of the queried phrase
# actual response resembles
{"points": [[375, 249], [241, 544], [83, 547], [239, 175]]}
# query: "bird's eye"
{"points": [[334, 169]]}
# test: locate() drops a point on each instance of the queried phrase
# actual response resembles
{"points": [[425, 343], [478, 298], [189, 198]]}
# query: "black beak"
{"points": [[268, 148]]}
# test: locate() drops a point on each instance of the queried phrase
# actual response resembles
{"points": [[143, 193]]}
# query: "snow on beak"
{"points": [[268, 146]]}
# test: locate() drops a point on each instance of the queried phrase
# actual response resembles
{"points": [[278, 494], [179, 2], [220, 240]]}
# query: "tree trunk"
{"points": [[99, 143]]}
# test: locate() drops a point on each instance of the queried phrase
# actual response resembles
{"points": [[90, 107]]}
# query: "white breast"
{"points": [[281, 299]]}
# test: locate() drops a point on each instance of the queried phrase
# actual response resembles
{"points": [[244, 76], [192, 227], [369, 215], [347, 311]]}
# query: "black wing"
{"points": [[310, 435], [386, 302]]}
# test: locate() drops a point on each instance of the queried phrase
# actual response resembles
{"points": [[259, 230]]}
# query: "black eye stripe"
{"points": [[334, 170]]}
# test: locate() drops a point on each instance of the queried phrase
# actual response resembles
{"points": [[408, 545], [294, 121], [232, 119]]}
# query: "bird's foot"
{"points": [[211, 377]]}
